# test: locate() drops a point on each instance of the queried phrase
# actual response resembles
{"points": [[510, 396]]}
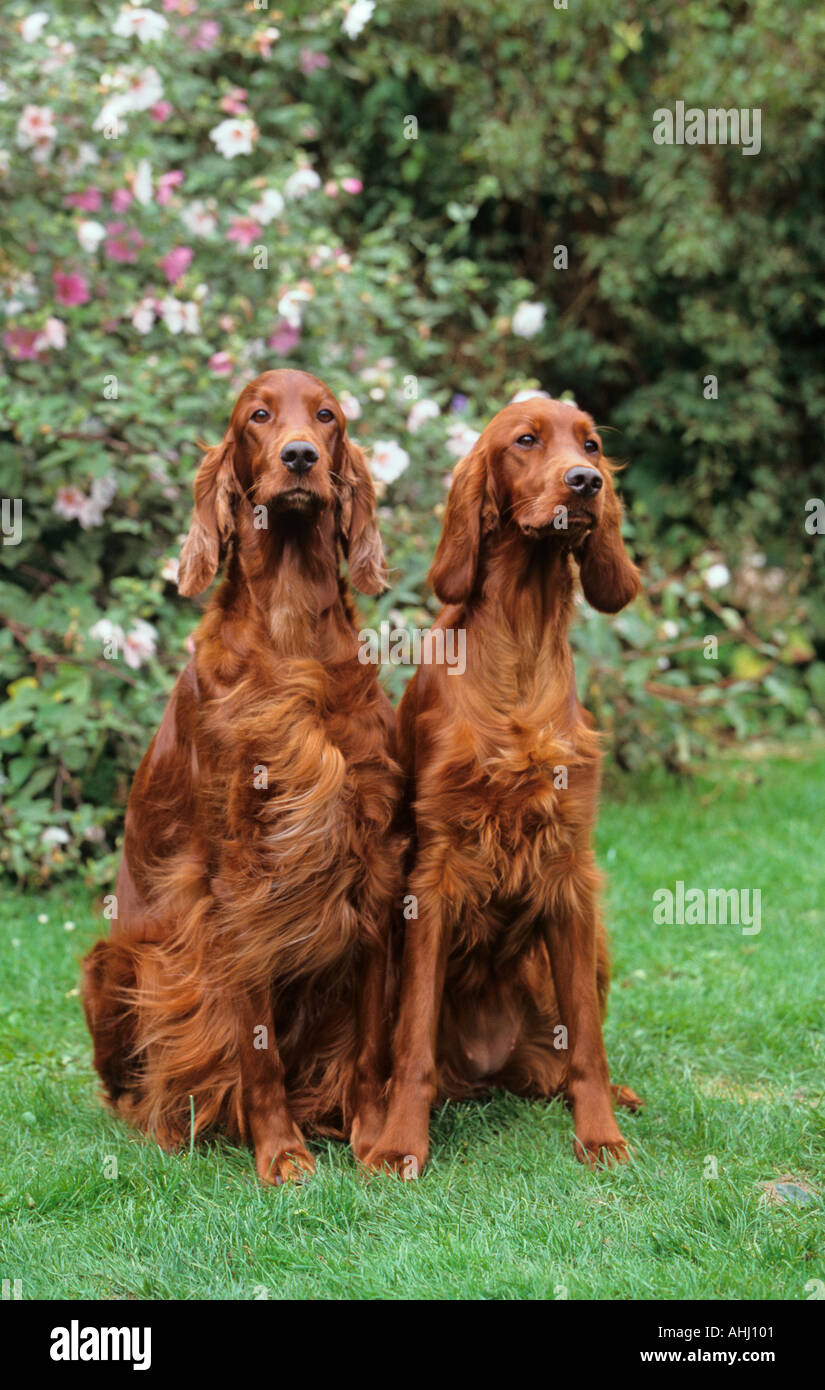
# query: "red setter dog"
{"points": [[505, 970], [243, 987]]}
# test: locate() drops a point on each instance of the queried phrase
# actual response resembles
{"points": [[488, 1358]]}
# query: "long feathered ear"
{"points": [[470, 512], [212, 522], [609, 578], [360, 540]]}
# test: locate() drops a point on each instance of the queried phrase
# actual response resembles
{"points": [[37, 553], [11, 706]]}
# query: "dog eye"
{"points": [[592, 446], [325, 415], [259, 415], [526, 440]]}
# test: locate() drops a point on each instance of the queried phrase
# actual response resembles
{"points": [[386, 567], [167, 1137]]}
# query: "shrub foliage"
{"points": [[433, 206]]}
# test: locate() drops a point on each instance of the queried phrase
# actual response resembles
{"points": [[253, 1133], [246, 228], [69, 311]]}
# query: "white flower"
{"points": [[270, 206], [86, 155], [53, 835], [33, 25], [145, 25], [302, 182], [17, 291], [170, 570], [389, 460], [289, 306], [53, 335], [528, 319], [142, 183], [133, 91], [100, 495], [37, 131], [179, 316], [140, 644], [198, 218], [350, 405], [460, 439], [108, 634], [357, 17], [234, 136], [421, 411], [670, 629], [143, 315], [717, 576], [528, 395], [90, 234], [59, 54]]}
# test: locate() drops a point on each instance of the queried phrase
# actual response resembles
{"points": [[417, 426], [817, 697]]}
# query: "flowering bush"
{"points": [[195, 192]]}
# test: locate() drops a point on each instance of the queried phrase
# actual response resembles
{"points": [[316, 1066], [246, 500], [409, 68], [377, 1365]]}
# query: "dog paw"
{"points": [[601, 1153], [622, 1095], [291, 1165], [365, 1132], [405, 1162]]}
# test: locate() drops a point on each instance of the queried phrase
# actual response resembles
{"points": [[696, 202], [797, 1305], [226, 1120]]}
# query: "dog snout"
{"points": [[299, 455], [585, 482]]}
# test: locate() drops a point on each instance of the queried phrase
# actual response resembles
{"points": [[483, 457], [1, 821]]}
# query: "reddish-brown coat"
{"points": [[508, 943], [244, 906]]}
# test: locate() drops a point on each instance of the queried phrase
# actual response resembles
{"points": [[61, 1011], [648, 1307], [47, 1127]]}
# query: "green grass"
{"points": [[721, 1033]]}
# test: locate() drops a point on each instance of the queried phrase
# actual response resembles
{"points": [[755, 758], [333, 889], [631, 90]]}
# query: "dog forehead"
{"points": [[284, 385], [538, 411]]}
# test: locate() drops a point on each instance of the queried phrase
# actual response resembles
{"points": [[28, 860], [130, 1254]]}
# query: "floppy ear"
{"points": [[212, 520], [609, 578], [470, 512], [360, 540]]}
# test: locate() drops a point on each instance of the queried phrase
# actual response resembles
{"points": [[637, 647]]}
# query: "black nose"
{"points": [[298, 456], [585, 482]]}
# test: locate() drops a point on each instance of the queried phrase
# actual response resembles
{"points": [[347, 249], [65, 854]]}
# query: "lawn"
{"points": [[720, 1032]]}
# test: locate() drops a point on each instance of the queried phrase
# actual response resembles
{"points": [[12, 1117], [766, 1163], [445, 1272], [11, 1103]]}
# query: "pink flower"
{"points": [[22, 344], [121, 198], [70, 289], [244, 230], [206, 35], [234, 103], [310, 60], [175, 263], [285, 338], [264, 39], [69, 502], [140, 644], [183, 7], [161, 111], [221, 364], [352, 185], [122, 243], [166, 183], [143, 315], [331, 188], [36, 131], [53, 335], [89, 201]]}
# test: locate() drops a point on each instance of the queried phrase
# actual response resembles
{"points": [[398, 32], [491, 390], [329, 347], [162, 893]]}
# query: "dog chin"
{"points": [[572, 533], [298, 499]]}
